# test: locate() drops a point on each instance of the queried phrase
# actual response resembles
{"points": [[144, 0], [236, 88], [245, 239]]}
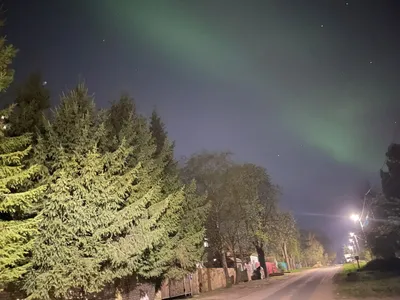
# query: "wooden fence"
{"points": [[204, 280], [201, 281]]}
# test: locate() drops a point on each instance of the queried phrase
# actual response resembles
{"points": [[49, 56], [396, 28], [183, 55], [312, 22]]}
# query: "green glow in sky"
{"points": [[323, 116], [338, 132]]}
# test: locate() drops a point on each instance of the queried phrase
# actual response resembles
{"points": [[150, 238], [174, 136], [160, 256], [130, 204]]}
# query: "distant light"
{"points": [[3, 117], [322, 25], [370, 62], [355, 217], [347, 3], [44, 82]]}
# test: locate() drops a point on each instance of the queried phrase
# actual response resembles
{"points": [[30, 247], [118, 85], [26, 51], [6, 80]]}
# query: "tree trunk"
{"points": [[225, 266], [293, 262], [261, 259], [244, 264], [241, 255], [236, 268], [286, 257]]}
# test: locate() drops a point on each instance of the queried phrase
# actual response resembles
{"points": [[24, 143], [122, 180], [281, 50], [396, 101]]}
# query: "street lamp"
{"points": [[356, 218]]}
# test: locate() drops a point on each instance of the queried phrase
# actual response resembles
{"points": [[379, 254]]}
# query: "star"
{"points": [[44, 82], [104, 40], [370, 62], [322, 25], [347, 3]]}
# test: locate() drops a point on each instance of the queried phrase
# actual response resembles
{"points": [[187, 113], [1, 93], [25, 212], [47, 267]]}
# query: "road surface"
{"points": [[312, 285], [308, 285]]}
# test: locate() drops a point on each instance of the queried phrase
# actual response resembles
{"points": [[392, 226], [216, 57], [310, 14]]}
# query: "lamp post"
{"points": [[356, 218], [353, 235], [357, 249]]}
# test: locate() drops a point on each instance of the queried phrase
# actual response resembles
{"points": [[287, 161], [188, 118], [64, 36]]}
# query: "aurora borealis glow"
{"points": [[226, 54], [259, 78]]}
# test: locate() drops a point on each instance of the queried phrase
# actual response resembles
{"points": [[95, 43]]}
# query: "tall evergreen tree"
{"points": [[186, 243], [31, 101], [19, 204], [65, 250], [189, 249], [18, 193], [125, 122], [383, 237], [7, 54], [105, 214]]}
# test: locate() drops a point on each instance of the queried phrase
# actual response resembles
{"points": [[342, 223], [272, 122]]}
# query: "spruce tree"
{"points": [[189, 246], [185, 244], [73, 252], [7, 54], [164, 154], [104, 209], [31, 101], [125, 122], [18, 194], [19, 204]]}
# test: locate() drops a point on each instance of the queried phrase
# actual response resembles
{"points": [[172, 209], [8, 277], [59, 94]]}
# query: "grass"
{"points": [[352, 267], [366, 284]]}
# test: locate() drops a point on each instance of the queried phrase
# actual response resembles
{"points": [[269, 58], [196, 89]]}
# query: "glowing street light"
{"points": [[355, 217]]}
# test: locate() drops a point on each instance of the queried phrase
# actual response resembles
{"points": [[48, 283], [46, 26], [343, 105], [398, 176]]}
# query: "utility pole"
{"points": [[354, 240]]}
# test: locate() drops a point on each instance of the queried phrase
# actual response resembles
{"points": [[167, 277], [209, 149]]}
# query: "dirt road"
{"points": [[309, 285]]}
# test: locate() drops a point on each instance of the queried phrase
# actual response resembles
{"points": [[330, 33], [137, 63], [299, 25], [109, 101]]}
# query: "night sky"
{"points": [[308, 89]]}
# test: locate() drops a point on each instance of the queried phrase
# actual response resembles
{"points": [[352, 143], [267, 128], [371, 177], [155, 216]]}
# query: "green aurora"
{"points": [[327, 118]]}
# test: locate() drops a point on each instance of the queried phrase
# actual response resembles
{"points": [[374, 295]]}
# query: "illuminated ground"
{"points": [[308, 285]]}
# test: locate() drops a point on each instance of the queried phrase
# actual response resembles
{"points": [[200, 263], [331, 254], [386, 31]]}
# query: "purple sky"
{"points": [[308, 89]]}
